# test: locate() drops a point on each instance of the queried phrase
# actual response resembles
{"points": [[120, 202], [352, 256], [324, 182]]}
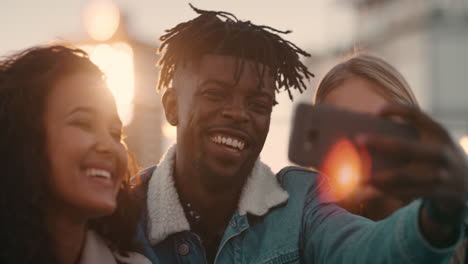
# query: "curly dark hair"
{"points": [[26, 79], [218, 32]]}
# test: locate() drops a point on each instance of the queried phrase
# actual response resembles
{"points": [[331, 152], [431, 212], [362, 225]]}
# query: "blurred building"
{"points": [[144, 133], [427, 40], [131, 75]]}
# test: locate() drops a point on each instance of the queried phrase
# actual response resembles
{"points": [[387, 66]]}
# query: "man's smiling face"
{"points": [[221, 124]]}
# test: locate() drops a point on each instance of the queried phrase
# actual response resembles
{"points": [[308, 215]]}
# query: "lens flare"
{"points": [[101, 19], [116, 61], [169, 131], [464, 143], [344, 168]]}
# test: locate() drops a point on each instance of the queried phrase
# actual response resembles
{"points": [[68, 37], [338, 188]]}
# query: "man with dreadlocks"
{"points": [[211, 200]]}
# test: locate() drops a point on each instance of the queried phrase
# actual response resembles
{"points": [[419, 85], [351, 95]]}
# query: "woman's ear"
{"points": [[169, 100]]}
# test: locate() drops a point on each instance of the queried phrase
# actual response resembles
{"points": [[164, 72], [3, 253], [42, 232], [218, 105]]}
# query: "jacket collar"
{"points": [[166, 215], [95, 251]]}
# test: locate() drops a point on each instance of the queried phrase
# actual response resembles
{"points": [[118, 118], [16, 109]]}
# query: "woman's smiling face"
{"points": [[87, 158]]}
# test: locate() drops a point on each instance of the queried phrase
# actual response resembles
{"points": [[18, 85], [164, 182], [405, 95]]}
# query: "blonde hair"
{"points": [[393, 85]]}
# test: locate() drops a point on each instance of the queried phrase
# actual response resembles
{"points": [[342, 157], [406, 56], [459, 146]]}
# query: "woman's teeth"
{"points": [[98, 173], [235, 143]]}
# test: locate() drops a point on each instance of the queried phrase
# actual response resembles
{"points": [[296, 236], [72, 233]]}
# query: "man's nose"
{"points": [[236, 111]]}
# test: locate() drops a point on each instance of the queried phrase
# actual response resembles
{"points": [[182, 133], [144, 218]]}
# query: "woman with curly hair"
{"points": [[66, 196]]}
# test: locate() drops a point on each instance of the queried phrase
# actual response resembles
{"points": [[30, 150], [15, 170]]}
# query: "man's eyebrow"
{"points": [[217, 82], [226, 84]]}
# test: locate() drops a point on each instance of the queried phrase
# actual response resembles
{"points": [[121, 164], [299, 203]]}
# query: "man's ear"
{"points": [[169, 100]]}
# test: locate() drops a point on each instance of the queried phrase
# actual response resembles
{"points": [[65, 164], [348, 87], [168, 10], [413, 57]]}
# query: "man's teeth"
{"points": [[235, 143], [98, 173]]}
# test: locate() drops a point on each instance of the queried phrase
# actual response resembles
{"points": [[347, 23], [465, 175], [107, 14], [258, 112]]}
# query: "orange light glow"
{"points": [[464, 143], [116, 61], [169, 131], [101, 19], [344, 168]]}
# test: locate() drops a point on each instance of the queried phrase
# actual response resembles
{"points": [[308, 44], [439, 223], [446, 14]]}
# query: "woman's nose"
{"points": [[105, 143]]}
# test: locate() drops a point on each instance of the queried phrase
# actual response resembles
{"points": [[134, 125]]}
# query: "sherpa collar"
{"points": [[166, 216]]}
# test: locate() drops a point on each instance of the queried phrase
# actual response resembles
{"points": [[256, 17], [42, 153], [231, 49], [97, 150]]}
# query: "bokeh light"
{"points": [[116, 61], [344, 168], [101, 19], [169, 131], [464, 143]]}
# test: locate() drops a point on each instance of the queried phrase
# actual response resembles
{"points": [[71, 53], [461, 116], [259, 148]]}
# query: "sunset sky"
{"points": [[317, 25]]}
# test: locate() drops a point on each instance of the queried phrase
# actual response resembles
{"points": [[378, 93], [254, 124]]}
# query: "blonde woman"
{"points": [[366, 83]]}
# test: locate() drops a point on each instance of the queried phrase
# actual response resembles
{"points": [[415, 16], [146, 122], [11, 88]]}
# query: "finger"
{"points": [[406, 195], [411, 176], [413, 116], [410, 194], [398, 149], [369, 192], [416, 181]]}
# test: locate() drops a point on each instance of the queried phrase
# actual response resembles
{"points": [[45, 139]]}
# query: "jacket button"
{"points": [[233, 224], [183, 249]]}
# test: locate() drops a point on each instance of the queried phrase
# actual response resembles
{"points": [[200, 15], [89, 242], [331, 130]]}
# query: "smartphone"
{"points": [[317, 129]]}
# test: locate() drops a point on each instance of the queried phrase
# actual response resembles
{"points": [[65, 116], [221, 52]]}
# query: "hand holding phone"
{"points": [[324, 137], [317, 128]]}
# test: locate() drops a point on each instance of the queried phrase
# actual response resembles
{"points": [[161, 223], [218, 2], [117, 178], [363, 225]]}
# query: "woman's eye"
{"points": [[214, 94], [83, 123]]}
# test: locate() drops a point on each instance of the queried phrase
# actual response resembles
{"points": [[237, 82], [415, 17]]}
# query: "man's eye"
{"points": [[261, 106]]}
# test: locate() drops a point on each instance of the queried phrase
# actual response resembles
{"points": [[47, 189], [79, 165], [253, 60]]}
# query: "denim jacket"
{"points": [[280, 219]]}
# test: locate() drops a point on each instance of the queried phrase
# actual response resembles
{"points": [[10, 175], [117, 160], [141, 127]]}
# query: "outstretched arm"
{"points": [[435, 168], [426, 231], [332, 235]]}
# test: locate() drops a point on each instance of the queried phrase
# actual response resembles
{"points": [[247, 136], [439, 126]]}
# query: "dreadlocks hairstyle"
{"points": [[26, 79], [217, 32]]}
